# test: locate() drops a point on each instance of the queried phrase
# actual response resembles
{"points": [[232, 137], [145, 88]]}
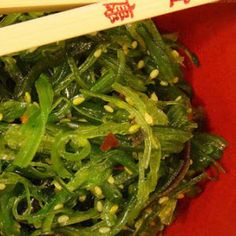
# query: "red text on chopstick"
{"points": [[118, 11], [172, 2]]}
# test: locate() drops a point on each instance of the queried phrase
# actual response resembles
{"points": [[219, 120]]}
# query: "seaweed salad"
{"points": [[98, 135]]}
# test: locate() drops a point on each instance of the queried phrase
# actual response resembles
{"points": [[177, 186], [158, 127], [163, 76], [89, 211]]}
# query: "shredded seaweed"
{"points": [[96, 135]]}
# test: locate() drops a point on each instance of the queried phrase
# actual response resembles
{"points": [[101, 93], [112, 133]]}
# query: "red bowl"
{"points": [[210, 32]]}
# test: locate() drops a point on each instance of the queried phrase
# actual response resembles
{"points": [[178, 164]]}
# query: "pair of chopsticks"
{"points": [[79, 21]]}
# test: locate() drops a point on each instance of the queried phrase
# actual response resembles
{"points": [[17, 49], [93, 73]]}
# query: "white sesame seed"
{"points": [[134, 129], [78, 100], [140, 64], [191, 161], [154, 73], [58, 206], [98, 53], [1, 116], [63, 219], [149, 210], [154, 97], [134, 44], [178, 98], [111, 180], [138, 223], [164, 83], [108, 108], [36, 104], [2, 186], [99, 206], [180, 196], [82, 198], [125, 48], [148, 118], [175, 80], [104, 230], [27, 97], [128, 171], [175, 53], [189, 110], [121, 186], [114, 209], [131, 116], [98, 191], [57, 185], [163, 200]]}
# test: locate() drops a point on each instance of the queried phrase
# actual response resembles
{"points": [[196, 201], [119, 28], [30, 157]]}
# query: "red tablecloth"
{"points": [[210, 31]]}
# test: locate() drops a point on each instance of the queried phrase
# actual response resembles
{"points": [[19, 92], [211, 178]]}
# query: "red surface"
{"points": [[210, 31]]}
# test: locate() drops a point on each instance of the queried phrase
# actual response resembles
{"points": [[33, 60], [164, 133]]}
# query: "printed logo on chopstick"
{"points": [[118, 11], [172, 2]]}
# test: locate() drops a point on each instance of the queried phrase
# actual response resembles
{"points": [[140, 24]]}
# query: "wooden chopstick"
{"points": [[14, 6], [85, 20]]}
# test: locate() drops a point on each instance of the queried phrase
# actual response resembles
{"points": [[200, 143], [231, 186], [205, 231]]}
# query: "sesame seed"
{"points": [[2, 186], [78, 100], [98, 53], [108, 108], [36, 104], [154, 74], [27, 97], [131, 116], [154, 97], [57, 185], [140, 64], [175, 80], [114, 209], [58, 206], [1, 116], [163, 200], [125, 49], [164, 83], [121, 186], [104, 230], [180, 196], [134, 129], [65, 120], [98, 191], [138, 223], [99, 206], [111, 180], [128, 171], [82, 198], [189, 110], [178, 98], [191, 161], [149, 210], [134, 44], [63, 219], [148, 118], [153, 223], [175, 53]]}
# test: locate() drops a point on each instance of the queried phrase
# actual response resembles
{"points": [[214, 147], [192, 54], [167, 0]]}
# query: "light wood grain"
{"points": [[79, 21], [14, 6]]}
